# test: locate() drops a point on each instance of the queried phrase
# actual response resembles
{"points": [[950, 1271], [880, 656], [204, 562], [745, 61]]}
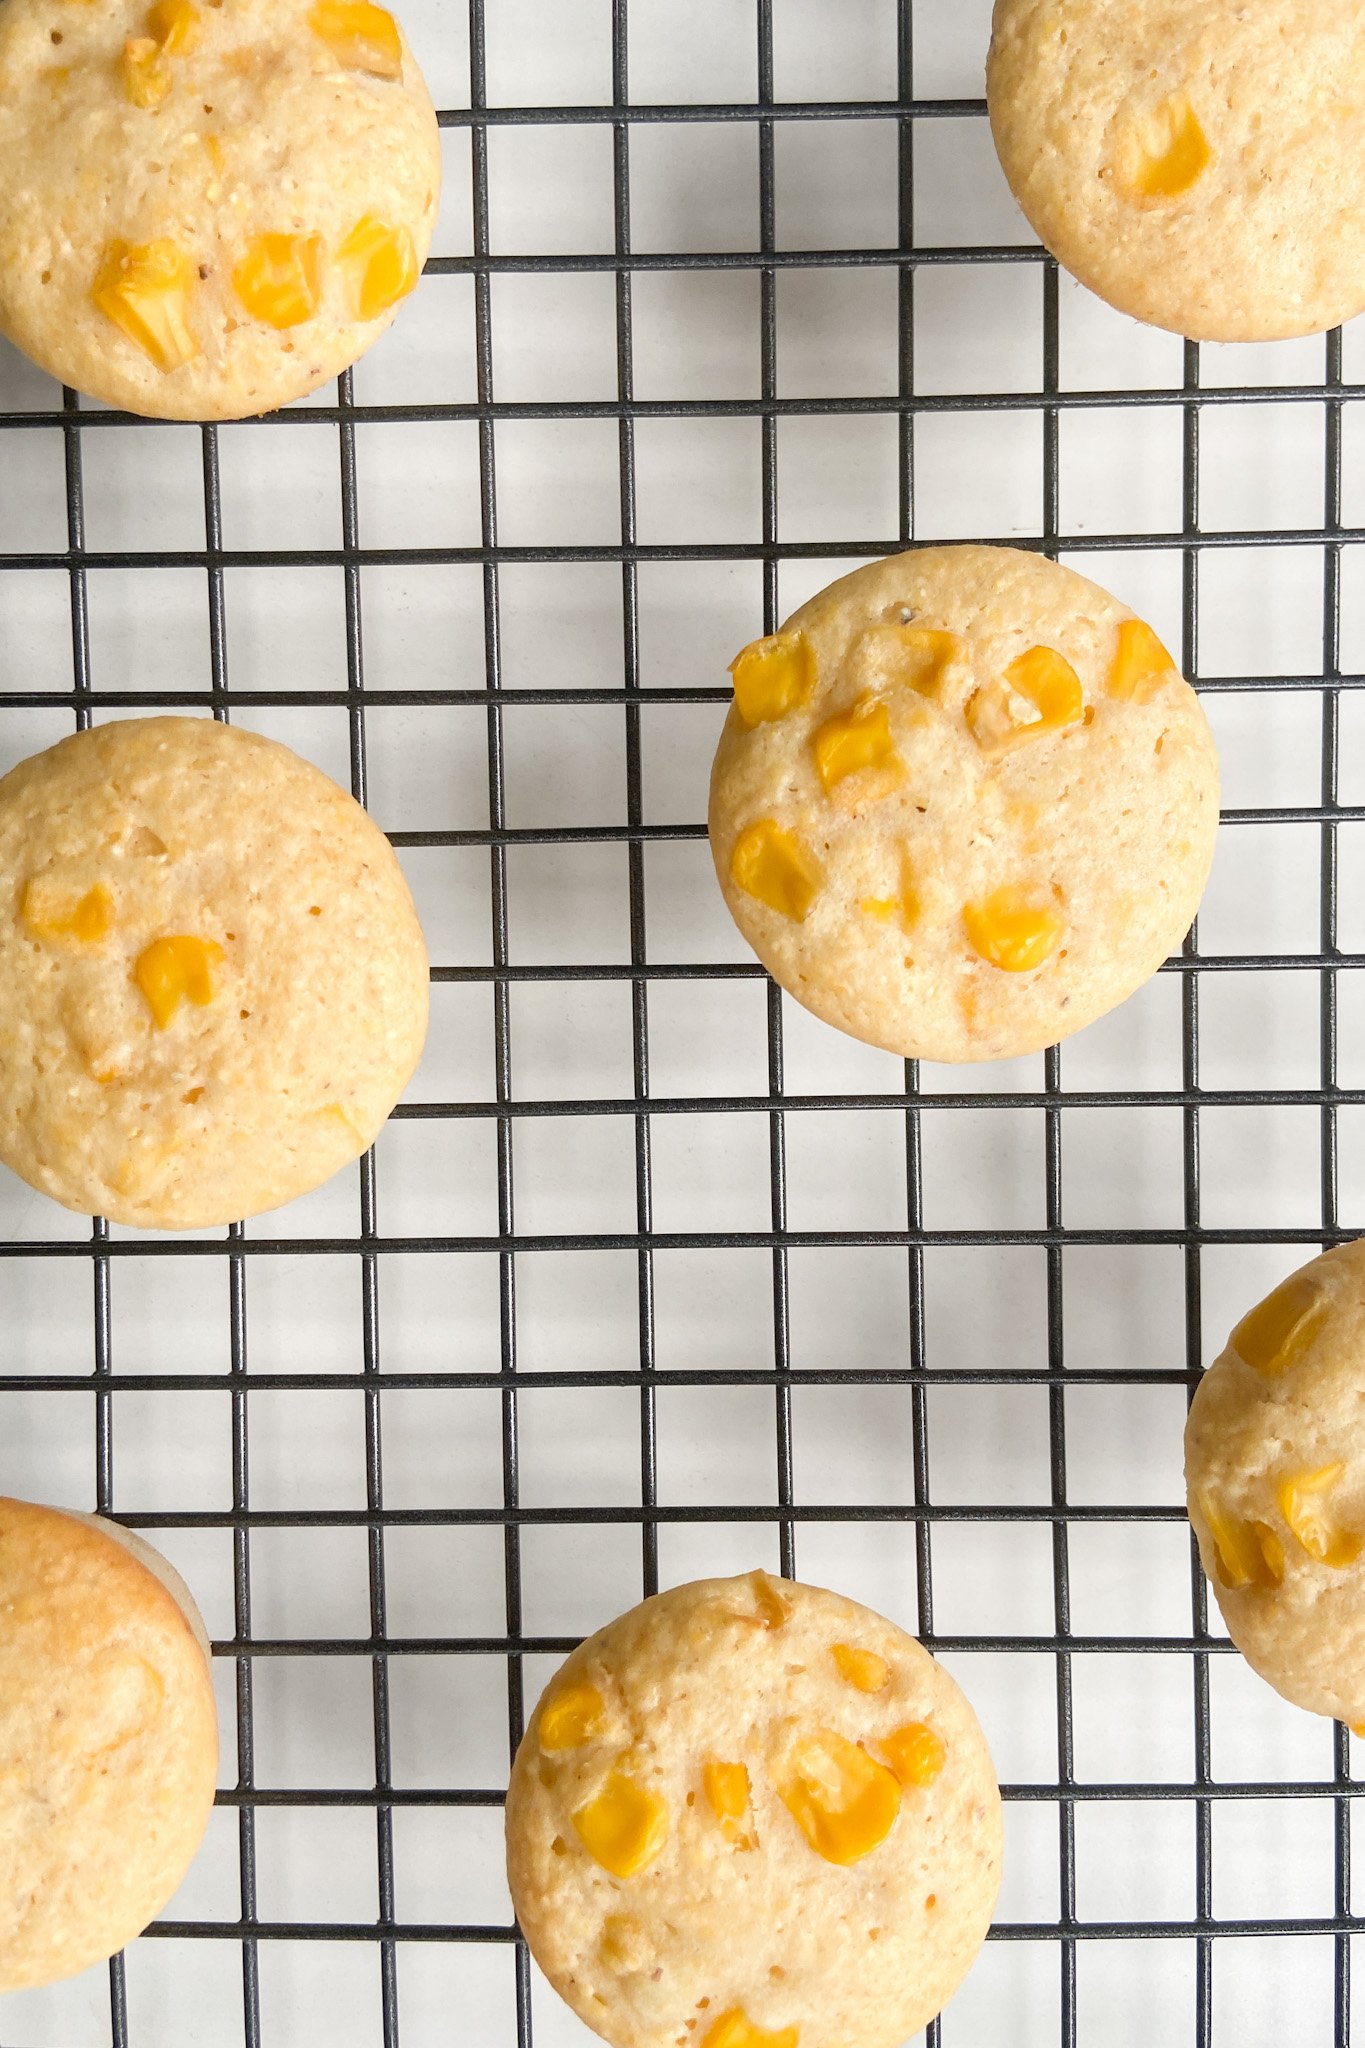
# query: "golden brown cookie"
{"points": [[752, 1814], [213, 984], [1196, 165], [208, 207], [963, 803], [1275, 1470], [108, 1740]]}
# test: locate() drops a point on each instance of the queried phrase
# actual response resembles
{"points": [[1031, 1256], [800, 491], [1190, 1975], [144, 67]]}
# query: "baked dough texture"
{"points": [[963, 804], [108, 1742], [207, 210], [213, 984], [1196, 165], [753, 1814], [1275, 1472]]}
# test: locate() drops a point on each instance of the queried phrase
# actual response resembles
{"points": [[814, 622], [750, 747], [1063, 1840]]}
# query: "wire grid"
{"points": [[392, 1940]]}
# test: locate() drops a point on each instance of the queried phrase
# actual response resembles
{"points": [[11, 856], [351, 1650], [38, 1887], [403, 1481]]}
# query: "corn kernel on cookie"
{"points": [[213, 984], [963, 804], [752, 1814], [1275, 1471], [108, 1740], [1197, 166], [208, 207]]}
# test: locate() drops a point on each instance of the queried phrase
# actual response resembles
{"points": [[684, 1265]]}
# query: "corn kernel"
{"points": [[1013, 930], [174, 24], [771, 865], [774, 1610], [772, 677], [279, 280], [50, 914], [843, 1800], [624, 1944], [854, 740], [1140, 663], [907, 906], [145, 78], [734, 2030], [1044, 679], [624, 1827], [727, 1794], [1244, 1553], [145, 289], [1280, 1328], [381, 263], [1169, 154], [926, 656], [915, 1753], [1301, 1503], [862, 1668], [570, 1718], [360, 37], [176, 970]]}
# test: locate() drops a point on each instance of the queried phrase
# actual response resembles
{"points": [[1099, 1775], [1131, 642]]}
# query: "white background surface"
{"points": [[977, 328]]}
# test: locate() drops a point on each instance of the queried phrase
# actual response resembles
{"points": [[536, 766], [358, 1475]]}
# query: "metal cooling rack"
{"points": [[268, 1945]]}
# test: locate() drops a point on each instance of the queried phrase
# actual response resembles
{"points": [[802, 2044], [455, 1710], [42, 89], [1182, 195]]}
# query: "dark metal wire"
{"points": [[779, 1522]]}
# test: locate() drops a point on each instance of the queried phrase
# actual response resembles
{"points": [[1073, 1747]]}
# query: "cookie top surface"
{"points": [[108, 1743], [751, 1813], [963, 803], [1197, 166], [213, 984], [208, 210], [1275, 1470]]}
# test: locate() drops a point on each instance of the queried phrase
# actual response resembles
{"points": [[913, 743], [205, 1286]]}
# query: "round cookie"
{"points": [[213, 984], [1196, 166], [963, 803], [108, 1740], [208, 207], [750, 1813], [1275, 1473]]}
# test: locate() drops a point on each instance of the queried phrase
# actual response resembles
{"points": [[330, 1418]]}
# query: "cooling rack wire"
{"points": [[652, 1276]]}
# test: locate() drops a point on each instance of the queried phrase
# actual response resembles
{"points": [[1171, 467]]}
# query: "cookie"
{"points": [[213, 984], [208, 207], [1275, 1473], [108, 1740], [751, 1813], [963, 803], [1196, 166]]}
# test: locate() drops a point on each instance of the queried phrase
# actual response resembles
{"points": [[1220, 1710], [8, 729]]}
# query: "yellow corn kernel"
{"points": [[624, 1827], [771, 865], [1280, 1328], [906, 906], [174, 24], [145, 289], [734, 2030], [1301, 1503], [176, 970], [381, 264], [145, 78], [774, 1610], [1244, 1553], [570, 1718], [279, 280], [862, 1668], [1140, 663], [915, 1753], [843, 1800], [772, 677], [883, 908], [1013, 930], [624, 1945], [855, 739], [727, 1789], [360, 37], [1044, 679], [52, 915], [927, 654], [216, 157], [1168, 153]]}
